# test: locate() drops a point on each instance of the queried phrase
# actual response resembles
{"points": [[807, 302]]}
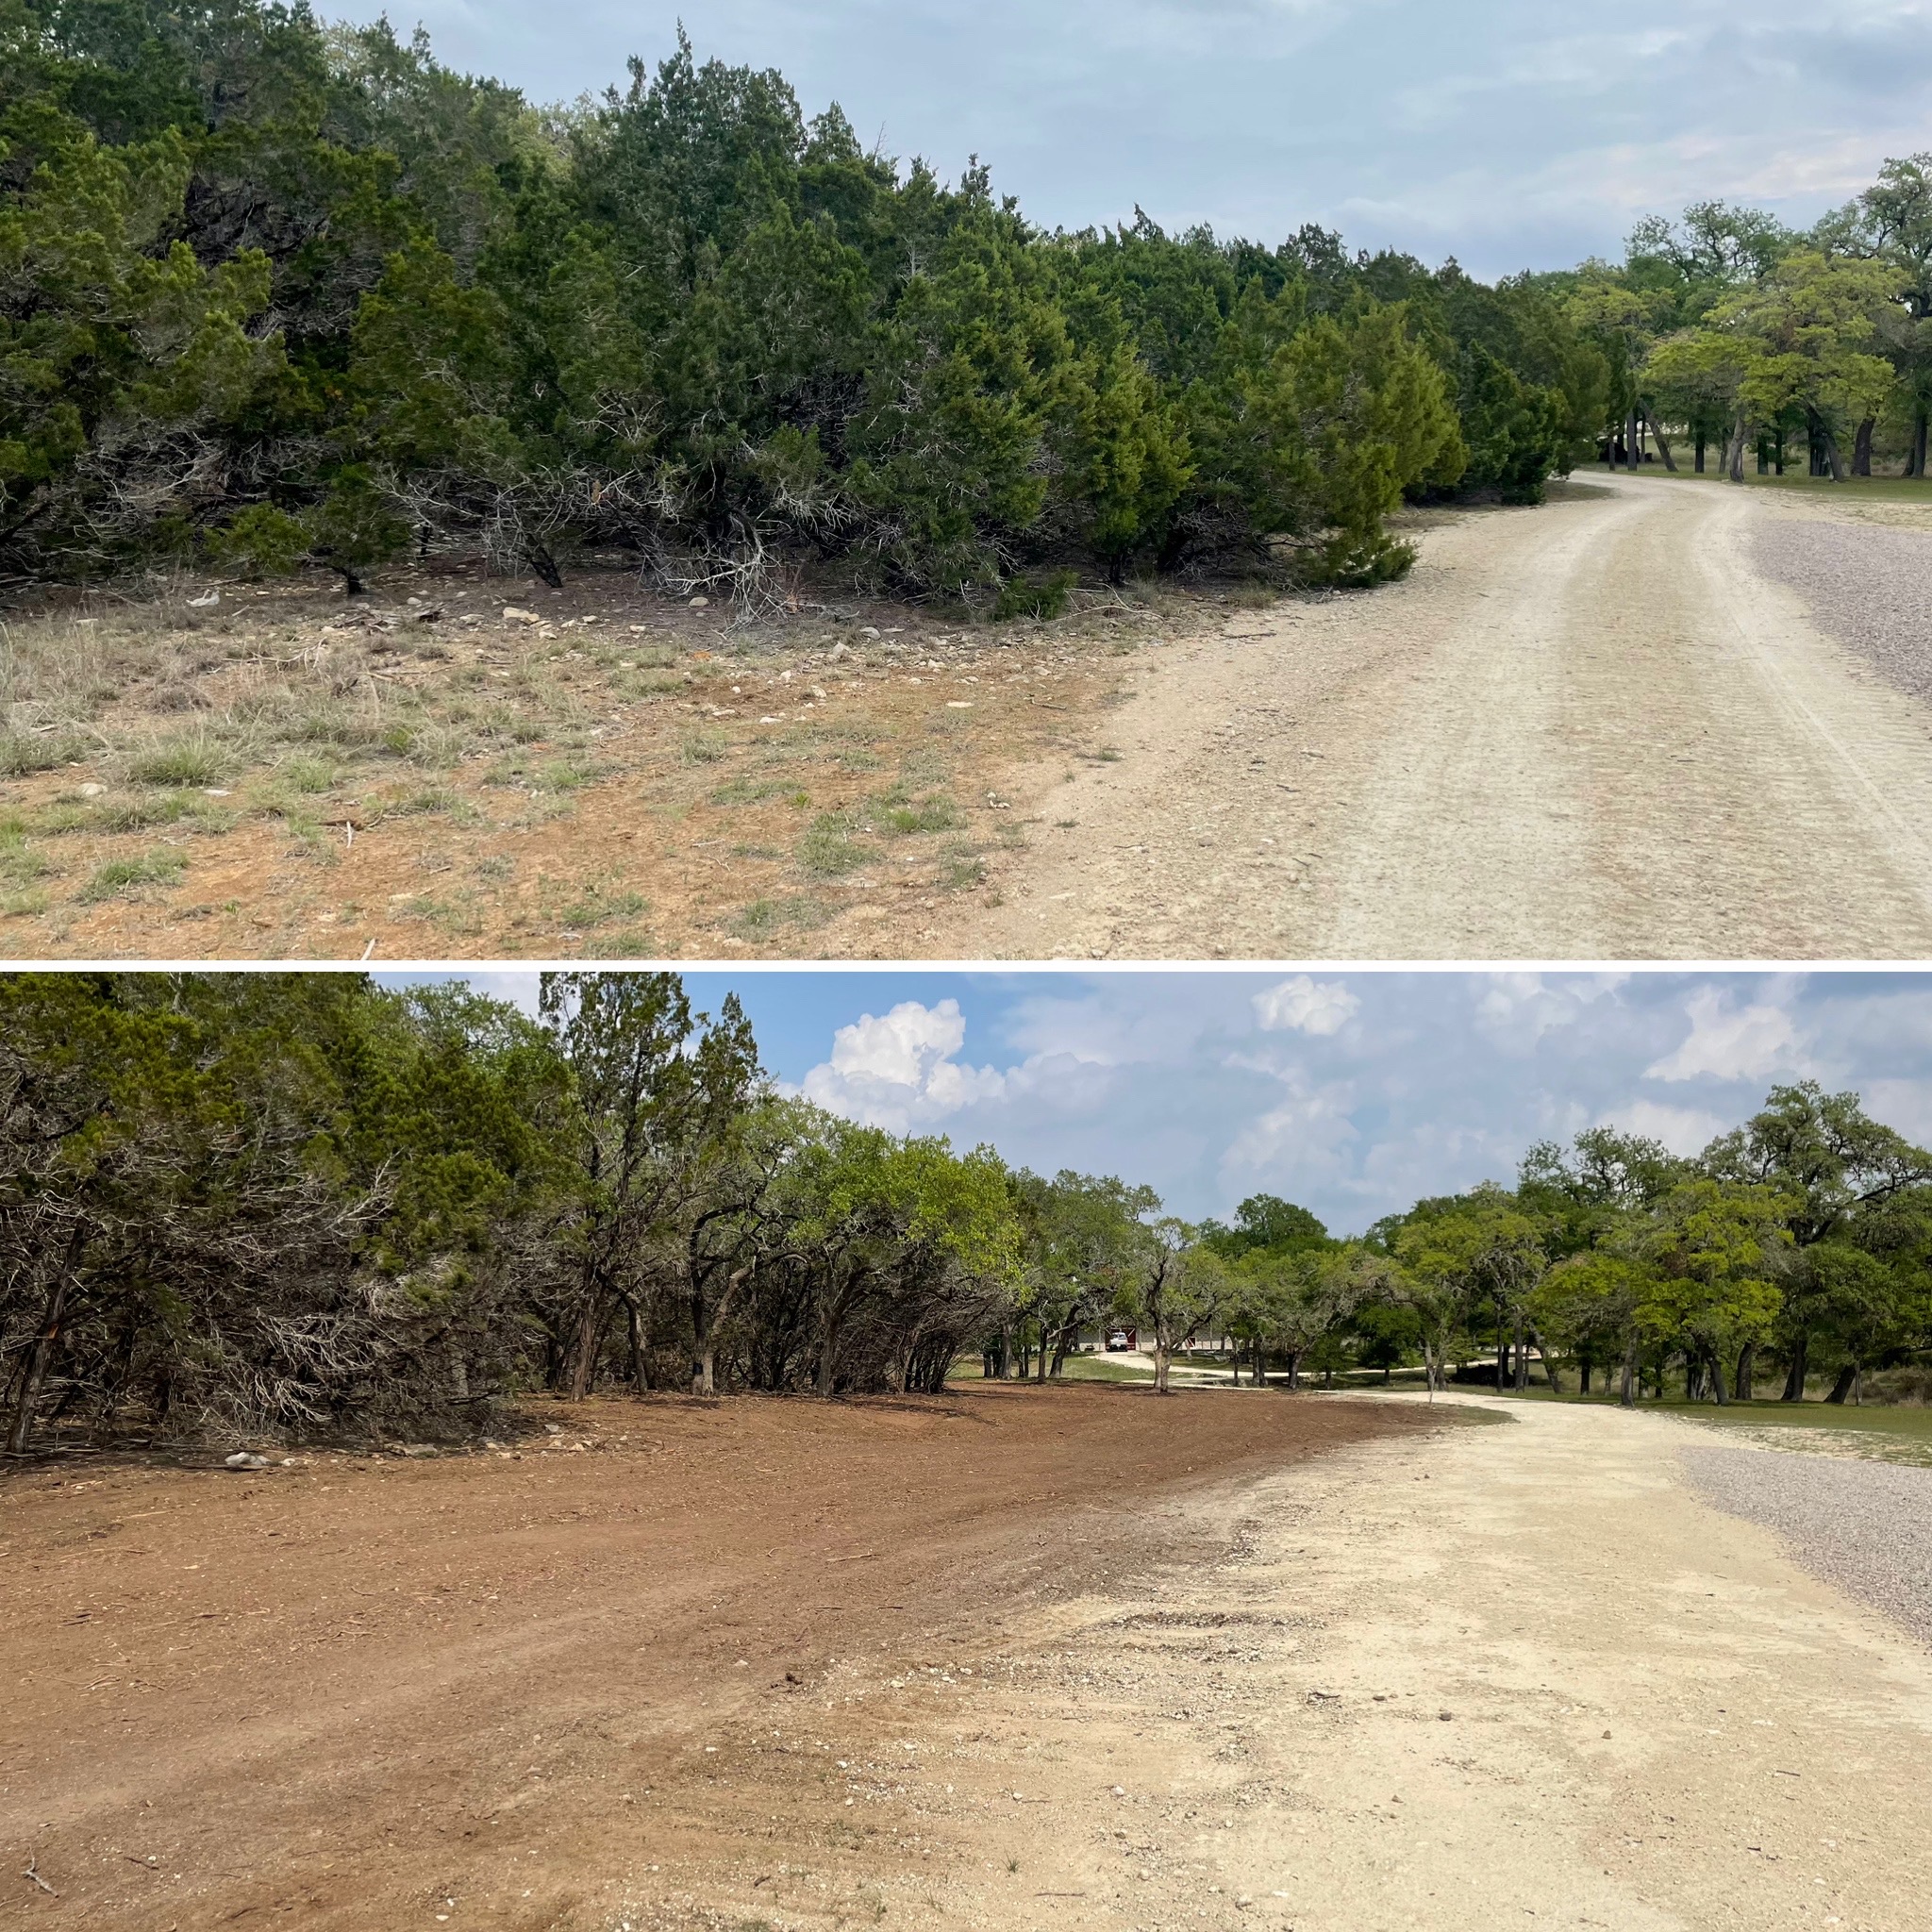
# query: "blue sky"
{"points": [[1511, 133], [1353, 1092]]}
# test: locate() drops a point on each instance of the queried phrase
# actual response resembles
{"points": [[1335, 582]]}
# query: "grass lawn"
{"points": [[1882, 489], [1888, 1432]]}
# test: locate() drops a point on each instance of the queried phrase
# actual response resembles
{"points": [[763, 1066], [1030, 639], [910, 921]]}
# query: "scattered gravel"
{"points": [[1869, 587], [1866, 1526]]}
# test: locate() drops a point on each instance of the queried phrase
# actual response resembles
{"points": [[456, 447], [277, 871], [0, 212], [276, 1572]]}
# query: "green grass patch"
{"points": [[828, 849], [597, 905], [706, 748], [24, 753], [745, 790], [193, 759], [764, 917], [126, 879], [900, 819]]}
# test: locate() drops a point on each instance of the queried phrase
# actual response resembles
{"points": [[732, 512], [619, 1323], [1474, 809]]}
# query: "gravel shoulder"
{"points": [[1864, 1525], [1867, 584], [1595, 729]]}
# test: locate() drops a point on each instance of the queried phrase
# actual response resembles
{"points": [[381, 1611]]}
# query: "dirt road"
{"points": [[1589, 730], [1148, 1664], [534, 1689]]}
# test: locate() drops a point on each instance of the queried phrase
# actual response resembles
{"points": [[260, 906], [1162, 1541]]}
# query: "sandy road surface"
{"points": [[1589, 730], [1155, 1666]]}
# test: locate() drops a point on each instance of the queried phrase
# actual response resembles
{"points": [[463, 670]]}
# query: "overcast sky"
{"points": [[1510, 133], [1352, 1094]]}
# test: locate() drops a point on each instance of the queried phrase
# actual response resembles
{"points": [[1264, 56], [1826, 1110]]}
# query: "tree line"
{"points": [[1780, 344], [296, 1205], [1796, 1247], [275, 293]]}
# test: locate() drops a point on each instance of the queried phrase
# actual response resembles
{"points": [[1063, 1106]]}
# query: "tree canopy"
{"points": [[273, 291]]}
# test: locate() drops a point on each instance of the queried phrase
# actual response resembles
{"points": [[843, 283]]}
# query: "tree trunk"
{"points": [[828, 1357], [583, 1368], [38, 1363], [1626, 1395], [1717, 1380], [1915, 465], [1834, 462], [1734, 455], [1295, 1368], [640, 1374], [1796, 1371], [1847, 1380], [1159, 1367], [1663, 448], [1699, 458], [1543, 1354], [1747, 1363], [1584, 1368], [1862, 448], [1631, 459], [1520, 1379]]}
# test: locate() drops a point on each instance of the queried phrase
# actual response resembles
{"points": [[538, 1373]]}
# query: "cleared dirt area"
{"points": [[634, 1670], [1592, 730], [1014, 1657], [457, 766]]}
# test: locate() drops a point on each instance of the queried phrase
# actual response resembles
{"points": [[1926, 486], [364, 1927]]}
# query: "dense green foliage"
{"points": [[293, 1204], [272, 291], [1729, 329]]}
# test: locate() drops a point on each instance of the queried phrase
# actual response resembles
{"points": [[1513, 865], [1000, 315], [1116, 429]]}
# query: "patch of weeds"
{"points": [[1107, 755], [565, 774], [626, 944], [706, 748], [126, 879], [495, 865], [170, 808], [19, 863], [309, 775], [764, 917], [430, 800], [746, 790], [596, 907], [828, 847], [27, 905], [962, 869], [24, 753], [934, 813], [458, 913], [195, 759]]}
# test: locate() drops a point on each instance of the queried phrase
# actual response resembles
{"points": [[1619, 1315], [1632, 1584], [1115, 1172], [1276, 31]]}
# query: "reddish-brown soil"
{"points": [[589, 1679]]}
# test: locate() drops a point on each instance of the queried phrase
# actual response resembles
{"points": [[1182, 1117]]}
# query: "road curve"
{"points": [[1589, 730]]}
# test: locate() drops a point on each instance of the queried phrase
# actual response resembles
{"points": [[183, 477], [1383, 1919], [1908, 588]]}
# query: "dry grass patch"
{"points": [[263, 777]]}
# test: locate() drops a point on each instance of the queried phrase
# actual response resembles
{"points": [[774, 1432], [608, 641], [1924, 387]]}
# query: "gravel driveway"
{"points": [[1869, 587], [1866, 1526]]}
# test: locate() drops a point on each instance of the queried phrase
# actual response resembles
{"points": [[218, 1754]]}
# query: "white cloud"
{"points": [[1682, 1129], [1728, 1043], [1306, 1006], [897, 1070], [1516, 1009]]}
